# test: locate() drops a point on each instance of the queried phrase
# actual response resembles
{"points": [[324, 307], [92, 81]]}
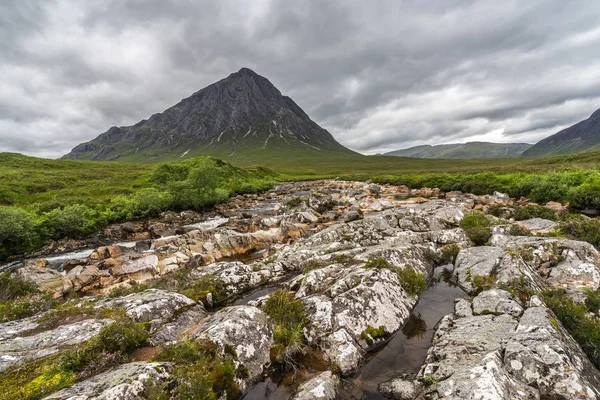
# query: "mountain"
{"points": [[240, 116], [582, 136], [464, 150]]}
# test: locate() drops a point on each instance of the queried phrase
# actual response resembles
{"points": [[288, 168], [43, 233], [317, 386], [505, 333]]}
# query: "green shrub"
{"points": [[312, 265], [17, 230], [109, 347], [532, 211], [289, 317], [581, 228], [12, 287], [200, 372], [518, 230], [411, 281], [72, 221], [592, 301], [586, 196], [295, 202], [24, 307], [370, 334], [377, 263], [483, 282], [576, 320], [198, 289], [449, 253], [477, 227]]}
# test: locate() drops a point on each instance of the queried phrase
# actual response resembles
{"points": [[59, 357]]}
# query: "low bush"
{"points": [[289, 317], [11, 310], [200, 372], [532, 211], [483, 282], [74, 222], [112, 344], [411, 281], [377, 263], [17, 231], [295, 202], [576, 320], [12, 287], [581, 228], [370, 334], [592, 301], [477, 227], [518, 230]]}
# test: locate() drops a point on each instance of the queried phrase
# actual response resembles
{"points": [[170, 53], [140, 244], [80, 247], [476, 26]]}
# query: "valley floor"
{"points": [[312, 290]]}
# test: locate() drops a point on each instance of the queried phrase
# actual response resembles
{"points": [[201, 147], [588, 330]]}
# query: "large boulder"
{"points": [[248, 331], [20, 349], [152, 305], [125, 382]]}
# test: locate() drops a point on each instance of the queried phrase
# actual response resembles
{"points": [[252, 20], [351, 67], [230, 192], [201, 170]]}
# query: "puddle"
{"points": [[406, 351]]}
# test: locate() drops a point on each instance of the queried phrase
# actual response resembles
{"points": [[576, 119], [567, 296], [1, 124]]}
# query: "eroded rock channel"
{"points": [[391, 299]]}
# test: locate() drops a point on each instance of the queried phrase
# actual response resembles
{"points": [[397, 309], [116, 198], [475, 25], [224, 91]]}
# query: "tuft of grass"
{"points": [[592, 301], [133, 287], [518, 230], [533, 211], [295, 202], [12, 287], [371, 334], [289, 317], [477, 226], [483, 282], [312, 265], [577, 321], [200, 372], [377, 263], [411, 281]]}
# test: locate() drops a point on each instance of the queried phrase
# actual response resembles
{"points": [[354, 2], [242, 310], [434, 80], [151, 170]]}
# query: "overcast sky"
{"points": [[379, 75]]}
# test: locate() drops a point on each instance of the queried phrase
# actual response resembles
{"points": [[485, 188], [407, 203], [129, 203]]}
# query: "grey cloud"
{"points": [[379, 75]]}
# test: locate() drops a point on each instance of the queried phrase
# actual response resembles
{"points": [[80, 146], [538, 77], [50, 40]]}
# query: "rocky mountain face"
{"points": [[464, 150], [353, 255], [243, 113], [582, 136]]}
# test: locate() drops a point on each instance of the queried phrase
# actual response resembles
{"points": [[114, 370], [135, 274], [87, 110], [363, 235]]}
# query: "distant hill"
{"points": [[242, 116], [582, 136], [464, 150]]}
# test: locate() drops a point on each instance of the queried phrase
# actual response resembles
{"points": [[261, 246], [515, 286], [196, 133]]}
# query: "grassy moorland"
{"points": [[48, 199]]}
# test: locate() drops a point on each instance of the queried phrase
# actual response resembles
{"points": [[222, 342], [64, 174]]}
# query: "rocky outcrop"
{"points": [[247, 331], [487, 349], [126, 382], [321, 387], [153, 305], [20, 349]]}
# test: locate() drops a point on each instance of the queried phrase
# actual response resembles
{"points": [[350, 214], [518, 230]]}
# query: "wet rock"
{"points": [[398, 389], [152, 305], [125, 382], [321, 387], [496, 301], [248, 331], [17, 350]]}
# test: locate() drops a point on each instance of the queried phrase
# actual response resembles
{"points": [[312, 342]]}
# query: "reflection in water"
{"points": [[406, 351], [415, 327]]}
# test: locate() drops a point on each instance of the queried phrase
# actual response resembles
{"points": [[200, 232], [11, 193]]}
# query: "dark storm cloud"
{"points": [[379, 75]]}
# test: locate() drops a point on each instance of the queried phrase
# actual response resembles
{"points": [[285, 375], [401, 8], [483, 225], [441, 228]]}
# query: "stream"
{"points": [[404, 354]]}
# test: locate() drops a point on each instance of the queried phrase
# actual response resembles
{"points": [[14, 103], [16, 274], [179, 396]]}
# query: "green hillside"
{"points": [[464, 150]]}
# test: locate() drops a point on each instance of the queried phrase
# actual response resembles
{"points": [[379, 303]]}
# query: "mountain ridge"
{"points": [[463, 150], [582, 136], [241, 113]]}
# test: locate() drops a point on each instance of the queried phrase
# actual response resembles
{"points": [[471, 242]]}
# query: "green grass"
{"points": [[50, 199]]}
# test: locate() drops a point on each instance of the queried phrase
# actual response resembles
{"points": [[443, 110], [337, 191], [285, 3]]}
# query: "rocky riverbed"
{"points": [[353, 255]]}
